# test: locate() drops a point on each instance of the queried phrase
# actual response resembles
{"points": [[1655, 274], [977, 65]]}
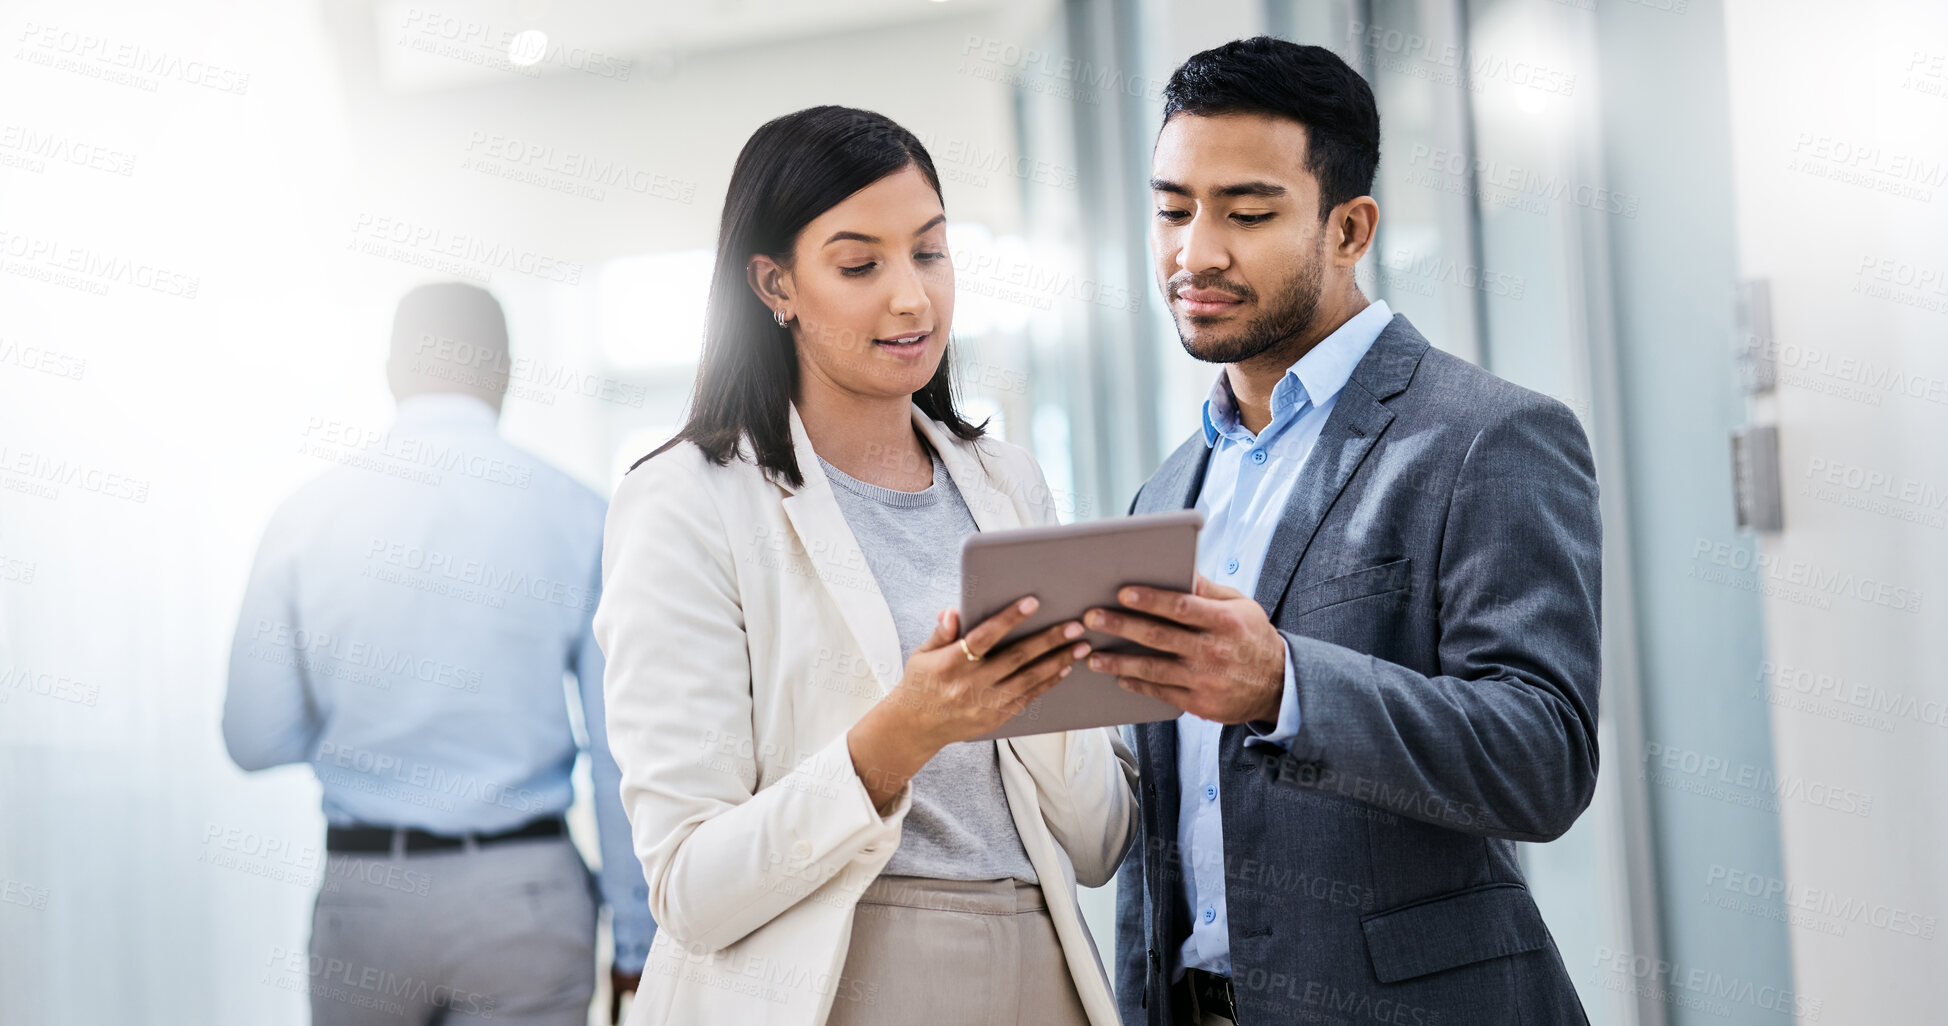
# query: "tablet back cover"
{"points": [[1072, 569]]}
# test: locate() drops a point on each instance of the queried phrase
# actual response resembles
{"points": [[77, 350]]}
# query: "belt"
{"points": [[368, 839], [1200, 994]]}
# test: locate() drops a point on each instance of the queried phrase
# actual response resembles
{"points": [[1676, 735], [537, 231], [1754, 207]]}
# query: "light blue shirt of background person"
{"points": [[411, 620], [1245, 489]]}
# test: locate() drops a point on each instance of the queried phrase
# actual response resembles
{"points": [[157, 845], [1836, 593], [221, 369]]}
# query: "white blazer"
{"points": [[745, 635]]}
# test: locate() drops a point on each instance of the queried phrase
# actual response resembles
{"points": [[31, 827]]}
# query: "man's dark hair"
{"points": [[1309, 85]]}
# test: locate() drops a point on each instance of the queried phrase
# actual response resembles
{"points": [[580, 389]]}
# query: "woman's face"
{"points": [[871, 288]]}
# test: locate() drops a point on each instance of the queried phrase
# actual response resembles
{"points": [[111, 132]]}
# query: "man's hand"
{"points": [[620, 983], [1222, 658]]}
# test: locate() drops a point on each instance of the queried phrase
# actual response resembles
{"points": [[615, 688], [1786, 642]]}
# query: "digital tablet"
{"points": [[1072, 569]]}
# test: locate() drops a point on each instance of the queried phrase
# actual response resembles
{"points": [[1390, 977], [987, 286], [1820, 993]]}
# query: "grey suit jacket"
{"points": [[1436, 577]]}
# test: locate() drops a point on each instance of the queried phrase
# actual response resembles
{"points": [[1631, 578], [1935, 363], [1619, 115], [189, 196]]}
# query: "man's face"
{"points": [[1236, 233]]}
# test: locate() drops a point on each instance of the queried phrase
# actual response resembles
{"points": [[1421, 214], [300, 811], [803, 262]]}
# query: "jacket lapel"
{"points": [[839, 564], [993, 510], [1175, 484], [834, 551], [1349, 434]]}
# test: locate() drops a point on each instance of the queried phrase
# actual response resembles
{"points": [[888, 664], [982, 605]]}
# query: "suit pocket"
{"points": [[1373, 580], [1452, 930]]}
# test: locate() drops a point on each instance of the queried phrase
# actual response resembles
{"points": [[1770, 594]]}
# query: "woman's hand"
{"points": [[944, 696]]}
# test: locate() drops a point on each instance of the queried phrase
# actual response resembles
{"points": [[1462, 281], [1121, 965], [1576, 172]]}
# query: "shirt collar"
{"points": [[1317, 376], [446, 409]]}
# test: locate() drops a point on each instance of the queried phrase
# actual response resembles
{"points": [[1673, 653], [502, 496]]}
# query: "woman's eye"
{"points": [[930, 255], [854, 272]]}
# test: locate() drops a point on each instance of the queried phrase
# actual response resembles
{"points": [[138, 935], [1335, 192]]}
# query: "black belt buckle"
{"points": [[368, 840], [1211, 994]]}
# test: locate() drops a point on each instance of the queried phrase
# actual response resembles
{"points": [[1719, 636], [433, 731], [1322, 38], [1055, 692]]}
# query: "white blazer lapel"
{"points": [[993, 510], [839, 563]]}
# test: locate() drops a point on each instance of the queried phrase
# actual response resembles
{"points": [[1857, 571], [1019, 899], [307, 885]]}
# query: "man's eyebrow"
{"points": [[1267, 189], [875, 240], [1252, 189]]}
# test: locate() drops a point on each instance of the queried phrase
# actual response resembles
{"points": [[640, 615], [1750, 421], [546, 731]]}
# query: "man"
{"points": [[407, 629], [1389, 663]]}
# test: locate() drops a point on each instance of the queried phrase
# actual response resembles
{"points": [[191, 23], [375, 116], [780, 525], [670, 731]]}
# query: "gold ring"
{"points": [[968, 652]]}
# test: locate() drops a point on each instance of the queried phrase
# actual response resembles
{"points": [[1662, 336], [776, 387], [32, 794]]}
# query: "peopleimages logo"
{"points": [[1714, 776], [121, 62], [568, 170], [1660, 977], [89, 270], [1496, 177], [1417, 56], [40, 474], [43, 360], [417, 458], [1822, 901], [1711, 560], [530, 378], [33, 681], [1869, 158], [1858, 694], [435, 248], [465, 568], [396, 662], [1021, 61], [36, 148], [478, 42], [437, 780]]}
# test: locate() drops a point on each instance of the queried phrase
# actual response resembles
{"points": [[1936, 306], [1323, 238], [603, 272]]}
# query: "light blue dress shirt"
{"points": [[409, 628], [1245, 490]]}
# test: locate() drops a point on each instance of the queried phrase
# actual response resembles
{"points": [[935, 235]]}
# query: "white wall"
{"points": [[1838, 113]]}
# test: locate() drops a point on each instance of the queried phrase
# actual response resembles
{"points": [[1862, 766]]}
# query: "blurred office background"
{"points": [[1690, 220]]}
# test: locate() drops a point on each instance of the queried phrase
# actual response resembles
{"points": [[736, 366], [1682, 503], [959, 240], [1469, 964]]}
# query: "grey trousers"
{"points": [[954, 953], [503, 933]]}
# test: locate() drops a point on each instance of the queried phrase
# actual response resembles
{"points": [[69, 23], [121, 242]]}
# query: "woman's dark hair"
{"points": [[793, 169], [1307, 84]]}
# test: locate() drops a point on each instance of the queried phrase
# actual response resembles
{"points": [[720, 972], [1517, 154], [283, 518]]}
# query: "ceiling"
{"points": [[441, 44]]}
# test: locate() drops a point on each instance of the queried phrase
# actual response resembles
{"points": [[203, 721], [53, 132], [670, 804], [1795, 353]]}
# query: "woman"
{"points": [[792, 707]]}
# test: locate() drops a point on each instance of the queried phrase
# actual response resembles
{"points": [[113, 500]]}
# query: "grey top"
{"points": [[959, 827]]}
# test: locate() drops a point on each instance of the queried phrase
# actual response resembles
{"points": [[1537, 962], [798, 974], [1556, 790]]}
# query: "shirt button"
{"points": [[801, 850], [1210, 915], [1210, 792], [1231, 566], [1258, 456]]}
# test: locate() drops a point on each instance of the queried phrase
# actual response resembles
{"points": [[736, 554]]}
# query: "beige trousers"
{"points": [[954, 953]]}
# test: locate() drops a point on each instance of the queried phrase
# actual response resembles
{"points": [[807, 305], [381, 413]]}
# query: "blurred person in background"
{"points": [[792, 696], [407, 628], [1389, 669]]}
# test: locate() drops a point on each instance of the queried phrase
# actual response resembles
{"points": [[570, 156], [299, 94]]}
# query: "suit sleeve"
{"points": [[721, 856], [1503, 744]]}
